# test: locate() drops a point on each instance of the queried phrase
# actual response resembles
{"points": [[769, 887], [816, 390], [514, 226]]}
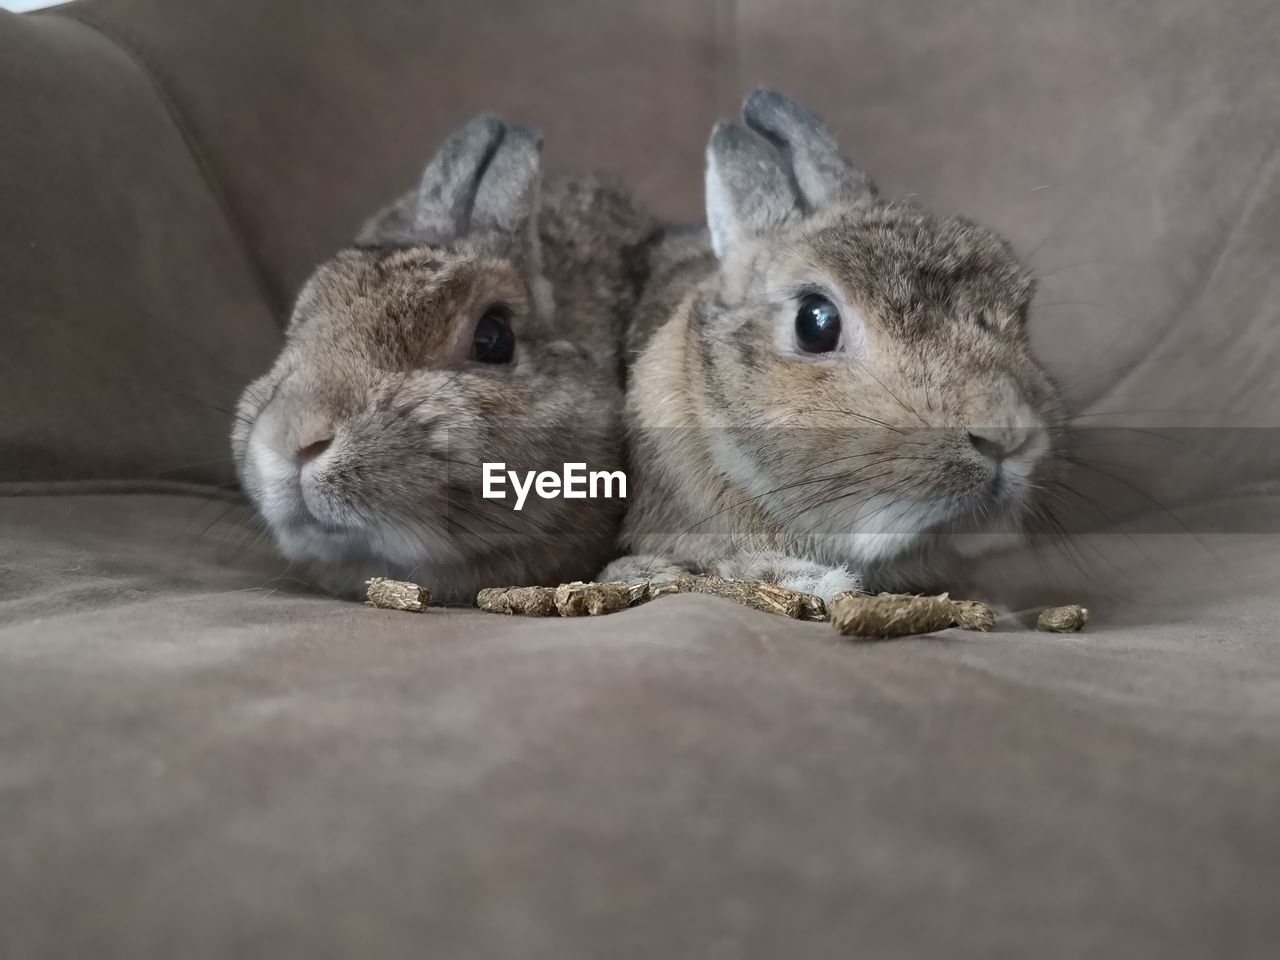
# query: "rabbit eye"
{"points": [[495, 341], [817, 324]]}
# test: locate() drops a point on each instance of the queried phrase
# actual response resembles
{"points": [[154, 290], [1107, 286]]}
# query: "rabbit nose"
{"points": [[997, 445], [306, 454]]}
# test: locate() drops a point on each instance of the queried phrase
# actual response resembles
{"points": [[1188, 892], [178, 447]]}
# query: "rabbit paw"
{"points": [[642, 566], [793, 573], [825, 583]]}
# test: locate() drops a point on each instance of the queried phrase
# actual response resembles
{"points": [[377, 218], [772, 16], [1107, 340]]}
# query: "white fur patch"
{"points": [[720, 215], [793, 573], [825, 585]]}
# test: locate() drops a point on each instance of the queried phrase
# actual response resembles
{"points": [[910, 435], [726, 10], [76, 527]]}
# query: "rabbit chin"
{"points": [[381, 548], [322, 534], [315, 525], [890, 530]]}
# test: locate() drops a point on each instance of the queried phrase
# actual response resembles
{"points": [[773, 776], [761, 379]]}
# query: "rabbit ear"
{"points": [[448, 188], [506, 200], [808, 148], [748, 192]]}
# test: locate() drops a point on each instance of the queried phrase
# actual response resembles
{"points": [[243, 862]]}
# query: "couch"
{"points": [[201, 758]]}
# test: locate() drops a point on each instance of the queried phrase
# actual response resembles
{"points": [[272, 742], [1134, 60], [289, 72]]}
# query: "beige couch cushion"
{"points": [[199, 759], [199, 762], [130, 311]]}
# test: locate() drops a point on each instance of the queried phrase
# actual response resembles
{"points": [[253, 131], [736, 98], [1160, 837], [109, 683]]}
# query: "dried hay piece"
{"points": [[1067, 619], [397, 595], [642, 591], [972, 615], [813, 608], [580, 599], [526, 601], [890, 614], [756, 594]]}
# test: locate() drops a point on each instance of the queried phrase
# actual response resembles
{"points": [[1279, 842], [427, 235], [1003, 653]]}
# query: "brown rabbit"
{"points": [[837, 392], [477, 319]]}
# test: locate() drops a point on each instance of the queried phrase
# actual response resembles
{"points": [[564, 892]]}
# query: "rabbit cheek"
{"points": [[383, 490]]}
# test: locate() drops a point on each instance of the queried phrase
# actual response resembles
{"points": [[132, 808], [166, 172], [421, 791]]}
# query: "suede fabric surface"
{"points": [[200, 762], [129, 310], [349, 100], [198, 758]]}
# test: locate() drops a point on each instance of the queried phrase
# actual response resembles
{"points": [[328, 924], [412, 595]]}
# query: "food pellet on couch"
{"points": [[397, 595], [1068, 619]]}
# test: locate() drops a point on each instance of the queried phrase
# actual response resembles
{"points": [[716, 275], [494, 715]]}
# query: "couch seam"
{"points": [[199, 156]]}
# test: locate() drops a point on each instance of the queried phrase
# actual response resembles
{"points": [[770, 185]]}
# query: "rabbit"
{"points": [[829, 391], [477, 319]]}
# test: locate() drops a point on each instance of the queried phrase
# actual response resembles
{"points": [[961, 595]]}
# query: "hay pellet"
{"points": [[642, 591], [396, 595], [972, 615], [580, 599], [767, 597], [525, 601], [812, 608], [1066, 619], [890, 614]]}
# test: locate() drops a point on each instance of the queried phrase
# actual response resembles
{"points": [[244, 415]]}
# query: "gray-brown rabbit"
{"points": [[835, 392], [476, 320]]}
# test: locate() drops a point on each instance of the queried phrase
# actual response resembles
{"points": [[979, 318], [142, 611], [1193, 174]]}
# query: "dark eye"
{"points": [[495, 341], [817, 324]]}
